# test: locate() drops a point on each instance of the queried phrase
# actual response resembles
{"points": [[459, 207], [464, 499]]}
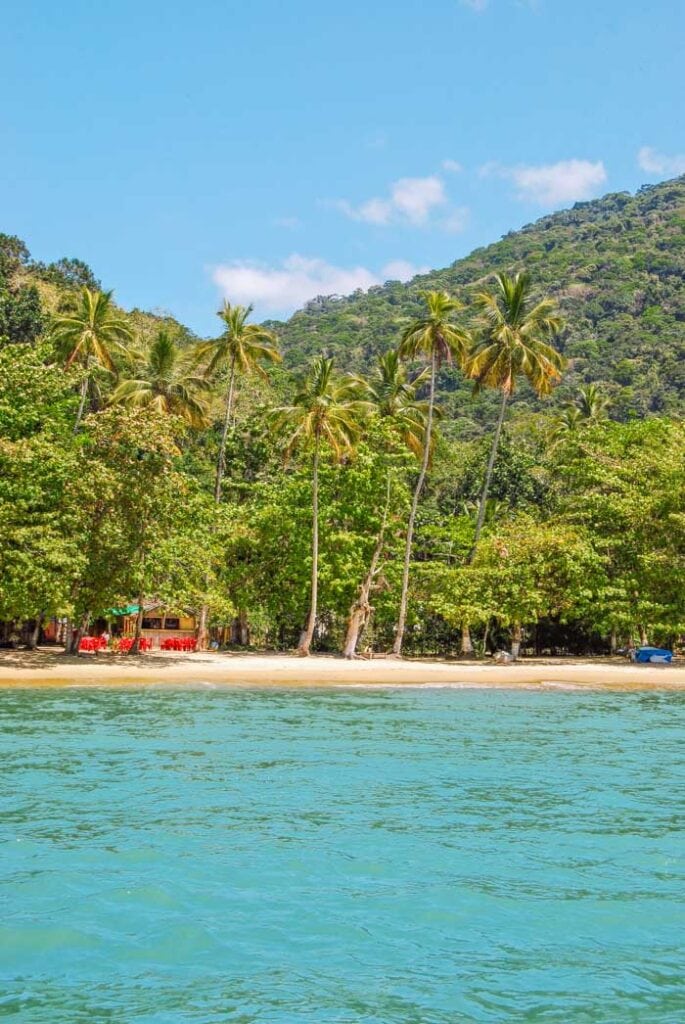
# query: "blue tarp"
{"points": [[653, 654]]}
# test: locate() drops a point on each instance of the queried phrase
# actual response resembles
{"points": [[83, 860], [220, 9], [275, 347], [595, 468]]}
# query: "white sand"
{"points": [[51, 668]]}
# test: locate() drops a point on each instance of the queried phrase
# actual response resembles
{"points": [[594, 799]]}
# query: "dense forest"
{"points": [[616, 265], [490, 455]]}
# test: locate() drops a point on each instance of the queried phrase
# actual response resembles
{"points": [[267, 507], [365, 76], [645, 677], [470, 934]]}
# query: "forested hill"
{"points": [[617, 267]]}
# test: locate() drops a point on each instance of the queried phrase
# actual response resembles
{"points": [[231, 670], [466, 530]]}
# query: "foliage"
{"points": [[583, 530]]}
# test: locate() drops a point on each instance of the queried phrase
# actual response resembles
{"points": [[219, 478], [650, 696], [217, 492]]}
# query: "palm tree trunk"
{"points": [[613, 641], [402, 617], [82, 403], [308, 632], [466, 642], [221, 461], [360, 611], [488, 476], [135, 646], [644, 642]]}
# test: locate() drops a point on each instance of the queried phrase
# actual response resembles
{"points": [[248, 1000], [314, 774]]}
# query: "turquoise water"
{"points": [[428, 857]]}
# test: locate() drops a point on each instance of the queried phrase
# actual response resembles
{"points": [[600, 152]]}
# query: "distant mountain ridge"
{"points": [[616, 266]]}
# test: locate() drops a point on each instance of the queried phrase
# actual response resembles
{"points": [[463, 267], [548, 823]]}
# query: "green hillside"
{"points": [[617, 267]]}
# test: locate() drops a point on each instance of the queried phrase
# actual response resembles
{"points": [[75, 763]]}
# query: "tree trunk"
{"points": [[516, 637], [84, 396], [402, 617], [486, 634], [35, 632], [308, 632], [488, 476], [202, 631], [360, 610], [466, 642], [68, 632], [221, 461], [613, 641], [644, 642], [135, 646], [243, 628], [78, 634]]}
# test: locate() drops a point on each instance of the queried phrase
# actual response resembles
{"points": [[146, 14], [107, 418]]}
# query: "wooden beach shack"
{"points": [[158, 623]]}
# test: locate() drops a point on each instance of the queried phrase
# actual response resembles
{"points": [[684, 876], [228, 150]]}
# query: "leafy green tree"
{"points": [[87, 334], [325, 411], [39, 552], [512, 341], [242, 348], [434, 337], [133, 504], [163, 376], [625, 485]]}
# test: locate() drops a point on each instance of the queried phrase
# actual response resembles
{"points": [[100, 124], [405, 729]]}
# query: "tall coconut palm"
{"points": [[436, 338], [512, 341], [162, 375], [87, 334], [392, 393], [240, 349], [326, 410]]}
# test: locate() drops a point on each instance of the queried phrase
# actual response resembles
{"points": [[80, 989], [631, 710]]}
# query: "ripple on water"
{"points": [[386, 855]]}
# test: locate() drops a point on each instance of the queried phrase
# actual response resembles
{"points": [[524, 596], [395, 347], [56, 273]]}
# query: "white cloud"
{"points": [[452, 166], [551, 184], [282, 289], [659, 163], [401, 270], [457, 220], [411, 201], [476, 5]]}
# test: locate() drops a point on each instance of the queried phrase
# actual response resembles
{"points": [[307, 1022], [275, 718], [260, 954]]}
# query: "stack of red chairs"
{"points": [[126, 643], [92, 643], [179, 643]]}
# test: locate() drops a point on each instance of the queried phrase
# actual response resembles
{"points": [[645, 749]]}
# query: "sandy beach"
{"points": [[49, 668]]}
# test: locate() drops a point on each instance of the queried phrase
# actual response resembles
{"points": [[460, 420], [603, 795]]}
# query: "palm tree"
{"points": [[434, 337], [392, 393], [592, 404], [240, 349], [589, 407], [325, 410], [87, 333], [512, 340], [163, 376]]}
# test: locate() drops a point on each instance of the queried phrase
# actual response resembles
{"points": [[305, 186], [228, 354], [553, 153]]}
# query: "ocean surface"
{"points": [[376, 856]]}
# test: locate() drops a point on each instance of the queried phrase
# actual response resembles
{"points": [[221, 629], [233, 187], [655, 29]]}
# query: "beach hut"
{"points": [[159, 624]]}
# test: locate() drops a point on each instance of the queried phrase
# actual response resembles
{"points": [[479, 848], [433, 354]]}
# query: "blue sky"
{"points": [[273, 150]]}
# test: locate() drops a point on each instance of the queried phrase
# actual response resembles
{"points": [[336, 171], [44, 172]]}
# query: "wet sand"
{"points": [[49, 668]]}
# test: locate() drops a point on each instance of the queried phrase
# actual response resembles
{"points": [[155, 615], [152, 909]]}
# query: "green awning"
{"points": [[129, 609]]}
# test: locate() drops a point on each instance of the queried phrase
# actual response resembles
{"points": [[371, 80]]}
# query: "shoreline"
{"points": [[50, 669]]}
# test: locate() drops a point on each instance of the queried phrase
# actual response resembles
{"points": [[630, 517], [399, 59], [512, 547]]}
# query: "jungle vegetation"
{"points": [[499, 463]]}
